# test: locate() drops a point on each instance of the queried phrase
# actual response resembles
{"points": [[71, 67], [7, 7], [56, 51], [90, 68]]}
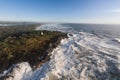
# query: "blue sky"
{"points": [[76, 11]]}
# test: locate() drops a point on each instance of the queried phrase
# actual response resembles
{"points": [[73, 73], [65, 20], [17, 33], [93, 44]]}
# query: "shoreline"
{"points": [[48, 46]]}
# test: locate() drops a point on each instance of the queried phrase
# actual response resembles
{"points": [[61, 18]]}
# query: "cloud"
{"points": [[115, 11]]}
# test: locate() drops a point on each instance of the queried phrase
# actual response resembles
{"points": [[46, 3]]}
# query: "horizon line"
{"points": [[58, 22]]}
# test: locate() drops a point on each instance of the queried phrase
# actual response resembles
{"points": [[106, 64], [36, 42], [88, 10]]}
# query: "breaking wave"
{"points": [[85, 57], [55, 27], [116, 40]]}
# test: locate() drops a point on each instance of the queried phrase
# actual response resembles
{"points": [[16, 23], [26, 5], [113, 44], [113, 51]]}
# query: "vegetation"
{"points": [[31, 46], [7, 30]]}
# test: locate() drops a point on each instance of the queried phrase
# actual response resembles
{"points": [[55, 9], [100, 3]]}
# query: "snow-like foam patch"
{"points": [[20, 71], [117, 40]]}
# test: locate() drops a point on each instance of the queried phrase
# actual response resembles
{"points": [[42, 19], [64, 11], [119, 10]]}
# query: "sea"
{"points": [[91, 52]]}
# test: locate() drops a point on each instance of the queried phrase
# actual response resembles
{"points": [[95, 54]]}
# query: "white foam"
{"points": [[20, 71], [83, 57], [54, 27], [117, 40]]}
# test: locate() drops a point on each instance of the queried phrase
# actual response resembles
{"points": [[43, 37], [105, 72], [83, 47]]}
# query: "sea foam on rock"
{"points": [[20, 71]]}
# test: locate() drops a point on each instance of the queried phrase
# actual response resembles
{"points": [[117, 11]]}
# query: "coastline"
{"points": [[48, 46]]}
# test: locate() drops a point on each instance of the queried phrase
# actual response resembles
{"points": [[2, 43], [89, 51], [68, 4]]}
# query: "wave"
{"points": [[116, 40], [55, 27], [81, 56], [85, 57]]}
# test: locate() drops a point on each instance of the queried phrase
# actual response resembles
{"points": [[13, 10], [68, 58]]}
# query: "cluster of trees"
{"points": [[7, 30], [28, 46]]}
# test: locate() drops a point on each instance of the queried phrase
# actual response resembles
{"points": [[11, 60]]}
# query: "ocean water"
{"points": [[102, 29], [91, 52]]}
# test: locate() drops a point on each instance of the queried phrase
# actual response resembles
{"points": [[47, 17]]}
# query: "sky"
{"points": [[72, 11]]}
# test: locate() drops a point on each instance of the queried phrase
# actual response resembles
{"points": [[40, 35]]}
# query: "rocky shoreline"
{"points": [[36, 57]]}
